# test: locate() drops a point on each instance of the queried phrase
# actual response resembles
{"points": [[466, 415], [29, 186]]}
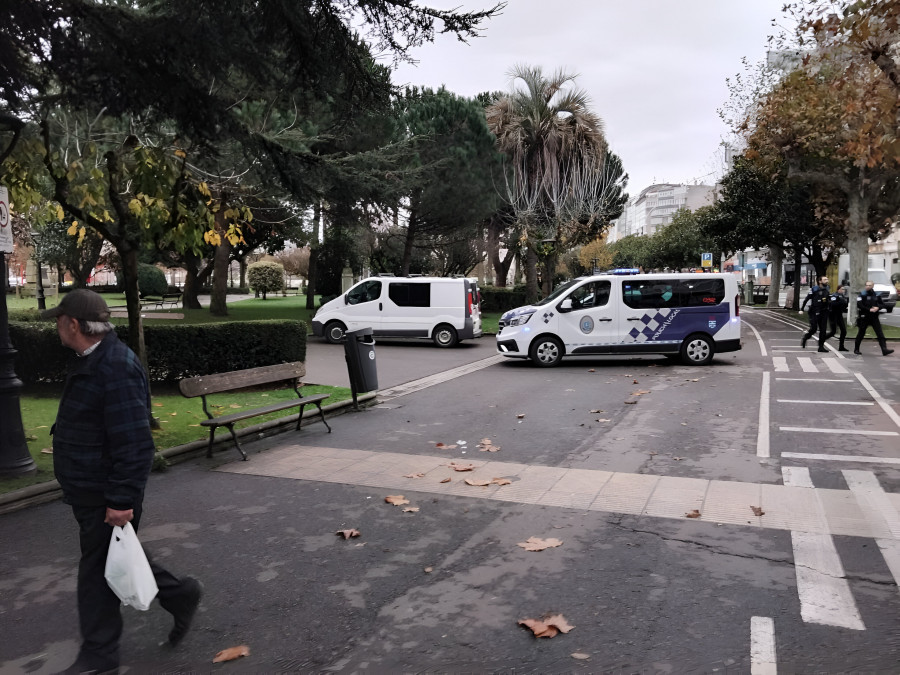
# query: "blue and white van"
{"points": [[691, 316]]}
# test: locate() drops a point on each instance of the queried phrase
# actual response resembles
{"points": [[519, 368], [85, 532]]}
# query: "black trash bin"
{"points": [[359, 351]]}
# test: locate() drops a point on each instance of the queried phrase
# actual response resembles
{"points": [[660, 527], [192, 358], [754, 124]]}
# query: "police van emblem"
{"points": [[548, 316], [586, 325], [712, 323]]}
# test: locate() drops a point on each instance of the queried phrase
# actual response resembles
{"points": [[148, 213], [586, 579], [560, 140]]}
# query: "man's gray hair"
{"points": [[95, 327]]}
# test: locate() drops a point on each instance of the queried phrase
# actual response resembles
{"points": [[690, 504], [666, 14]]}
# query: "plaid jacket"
{"points": [[102, 445]]}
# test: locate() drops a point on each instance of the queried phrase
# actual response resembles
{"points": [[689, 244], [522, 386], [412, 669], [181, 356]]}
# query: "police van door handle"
{"points": [[634, 318], [379, 307], [604, 318]]}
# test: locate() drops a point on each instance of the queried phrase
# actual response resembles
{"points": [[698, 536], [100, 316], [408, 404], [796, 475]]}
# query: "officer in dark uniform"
{"points": [[869, 304], [818, 299], [837, 306]]}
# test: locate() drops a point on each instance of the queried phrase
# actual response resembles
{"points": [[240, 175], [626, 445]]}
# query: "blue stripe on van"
{"points": [[674, 324]]}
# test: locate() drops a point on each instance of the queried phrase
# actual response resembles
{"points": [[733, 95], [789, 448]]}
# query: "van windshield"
{"points": [[561, 290], [879, 277]]}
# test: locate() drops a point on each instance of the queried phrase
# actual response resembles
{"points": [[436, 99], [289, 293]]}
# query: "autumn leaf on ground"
{"points": [[581, 656], [520, 416], [477, 482], [548, 627], [538, 544], [411, 509], [443, 446], [485, 445], [757, 511], [428, 570], [501, 481], [595, 412], [414, 475], [231, 654], [446, 480], [602, 419], [461, 467], [396, 500], [630, 402], [692, 514], [47, 451], [235, 405], [640, 392], [591, 370], [634, 382], [347, 534], [158, 405]]}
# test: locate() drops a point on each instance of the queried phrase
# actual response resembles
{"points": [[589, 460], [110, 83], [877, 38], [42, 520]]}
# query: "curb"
{"points": [[49, 491]]}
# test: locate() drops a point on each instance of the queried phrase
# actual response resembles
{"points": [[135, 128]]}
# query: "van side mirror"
{"points": [[566, 305]]}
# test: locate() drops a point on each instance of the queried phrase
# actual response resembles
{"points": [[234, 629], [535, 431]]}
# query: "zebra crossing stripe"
{"points": [[762, 646], [835, 366], [806, 364], [780, 363]]}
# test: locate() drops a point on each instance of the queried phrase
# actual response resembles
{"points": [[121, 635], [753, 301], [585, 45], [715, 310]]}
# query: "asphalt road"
{"points": [[601, 453]]}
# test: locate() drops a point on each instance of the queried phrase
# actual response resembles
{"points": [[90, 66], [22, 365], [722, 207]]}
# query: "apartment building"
{"points": [[655, 206]]}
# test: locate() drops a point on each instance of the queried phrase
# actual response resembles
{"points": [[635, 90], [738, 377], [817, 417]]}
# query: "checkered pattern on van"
{"points": [[651, 320]]}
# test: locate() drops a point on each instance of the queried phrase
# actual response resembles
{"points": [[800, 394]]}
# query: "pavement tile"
{"points": [[625, 493], [792, 508], [583, 481], [845, 517], [729, 502], [674, 496]]}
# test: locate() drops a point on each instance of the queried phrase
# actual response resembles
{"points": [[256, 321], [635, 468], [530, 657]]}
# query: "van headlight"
{"points": [[520, 319]]}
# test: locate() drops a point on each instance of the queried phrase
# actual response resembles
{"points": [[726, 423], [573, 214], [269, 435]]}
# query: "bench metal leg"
{"points": [[322, 415], [212, 437], [236, 443]]}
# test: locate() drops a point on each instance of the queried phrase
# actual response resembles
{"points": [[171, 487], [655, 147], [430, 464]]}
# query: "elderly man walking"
{"points": [[102, 455]]}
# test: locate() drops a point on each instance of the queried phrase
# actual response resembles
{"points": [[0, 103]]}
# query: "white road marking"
{"points": [[796, 476], [438, 378], [762, 429], [834, 366], [780, 363], [762, 346], [879, 399], [875, 505], [849, 432], [825, 596], [790, 400], [762, 646], [806, 364], [807, 379], [799, 350], [842, 458]]}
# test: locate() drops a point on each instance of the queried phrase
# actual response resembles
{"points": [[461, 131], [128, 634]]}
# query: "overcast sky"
{"points": [[655, 70]]}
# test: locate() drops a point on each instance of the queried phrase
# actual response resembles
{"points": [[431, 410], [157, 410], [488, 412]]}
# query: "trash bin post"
{"points": [[359, 352], [748, 292]]}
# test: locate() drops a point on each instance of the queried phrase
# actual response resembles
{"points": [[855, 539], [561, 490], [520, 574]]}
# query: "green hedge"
{"points": [[494, 299], [173, 351]]}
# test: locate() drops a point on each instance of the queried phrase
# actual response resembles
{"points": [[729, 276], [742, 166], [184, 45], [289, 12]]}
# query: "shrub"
{"points": [[151, 280], [495, 299], [173, 351], [264, 277]]}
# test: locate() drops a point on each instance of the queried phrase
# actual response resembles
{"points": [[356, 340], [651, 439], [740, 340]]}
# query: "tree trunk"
{"points": [[218, 304], [242, 266], [776, 255], [312, 272], [411, 231], [532, 292], [133, 302], [798, 263], [192, 281], [858, 248]]}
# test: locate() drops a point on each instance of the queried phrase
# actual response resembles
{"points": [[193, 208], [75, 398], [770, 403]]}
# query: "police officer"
{"points": [[837, 306], [869, 304], [818, 299]]}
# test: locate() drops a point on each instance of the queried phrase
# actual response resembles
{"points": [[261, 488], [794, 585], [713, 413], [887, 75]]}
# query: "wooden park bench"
{"points": [[204, 385], [161, 301]]}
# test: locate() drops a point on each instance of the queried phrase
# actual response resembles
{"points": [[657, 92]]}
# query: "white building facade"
{"points": [[655, 206]]}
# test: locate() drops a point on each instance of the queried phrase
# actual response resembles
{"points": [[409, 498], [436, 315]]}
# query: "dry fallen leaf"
{"points": [[692, 514], [411, 509], [581, 656], [414, 475], [158, 405], [520, 416], [602, 419], [461, 467], [231, 654], [548, 627], [678, 459], [442, 446], [594, 412], [630, 402], [634, 382], [537, 544], [347, 534], [235, 405], [446, 480], [47, 451], [396, 500], [477, 482], [591, 370], [640, 392], [485, 445], [429, 570], [501, 481], [757, 511]]}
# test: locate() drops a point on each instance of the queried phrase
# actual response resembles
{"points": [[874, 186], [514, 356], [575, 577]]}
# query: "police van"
{"points": [[442, 309], [691, 316]]}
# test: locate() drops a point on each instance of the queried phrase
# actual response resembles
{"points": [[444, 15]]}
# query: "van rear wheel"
{"points": [[445, 336], [697, 350], [334, 332], [546, 352]]}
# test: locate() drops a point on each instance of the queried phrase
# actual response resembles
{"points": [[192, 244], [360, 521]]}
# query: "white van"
{"points": [[694, 316], [442, 309]]}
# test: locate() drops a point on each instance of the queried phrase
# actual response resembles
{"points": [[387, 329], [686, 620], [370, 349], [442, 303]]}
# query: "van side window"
{"points": [[410, 295], [702, 292], [366, 292], [650, 293], [594, 294]]}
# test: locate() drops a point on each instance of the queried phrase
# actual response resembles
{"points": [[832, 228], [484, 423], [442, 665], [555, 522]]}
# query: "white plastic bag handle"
{"points": [[127, 571]]}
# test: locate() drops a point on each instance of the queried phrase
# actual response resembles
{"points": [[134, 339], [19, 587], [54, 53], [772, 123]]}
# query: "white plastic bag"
{"points": [[127, 571]]}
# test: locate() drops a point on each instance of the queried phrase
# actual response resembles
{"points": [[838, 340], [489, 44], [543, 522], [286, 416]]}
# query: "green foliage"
{"points": [[174, 351], [151, 280], [265, 277], [494, 299], [631, 251]]}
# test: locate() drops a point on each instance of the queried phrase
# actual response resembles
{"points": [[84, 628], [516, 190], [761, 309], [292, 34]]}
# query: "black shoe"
{"points": [[822, 349], [85, 666], [803, 341], [192, 592], [842, 348], [856, 351], [887, 351]]}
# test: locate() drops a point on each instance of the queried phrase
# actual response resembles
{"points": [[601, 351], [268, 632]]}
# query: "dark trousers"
{"points": [[818, 321], [837, 323], [99, 613], [866, 320]]}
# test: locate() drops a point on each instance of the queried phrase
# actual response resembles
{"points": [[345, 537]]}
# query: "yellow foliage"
{"points": [[73, 229], [60, 214], [135, 207], [180, 153]]}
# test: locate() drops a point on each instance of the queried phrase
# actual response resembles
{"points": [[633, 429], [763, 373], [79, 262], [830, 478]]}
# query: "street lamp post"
{"points": [[39, 279], [15, 460]]}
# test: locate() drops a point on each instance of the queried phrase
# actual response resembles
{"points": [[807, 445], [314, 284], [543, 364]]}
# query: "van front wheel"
{"points": [[546, 352], [697, 350], [445, 336], [334, 332]]}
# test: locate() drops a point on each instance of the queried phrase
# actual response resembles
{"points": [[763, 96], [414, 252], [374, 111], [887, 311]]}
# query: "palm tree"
{"points": [[555, 147]]}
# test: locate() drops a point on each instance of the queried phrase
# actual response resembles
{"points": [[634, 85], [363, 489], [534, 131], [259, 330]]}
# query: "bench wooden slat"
{"points": [[236, 379], [264, 410]]}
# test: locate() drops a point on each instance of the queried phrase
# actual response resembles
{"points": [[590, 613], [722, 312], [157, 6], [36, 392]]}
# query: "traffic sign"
{"points": [[6, 235], [706, 260]]}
